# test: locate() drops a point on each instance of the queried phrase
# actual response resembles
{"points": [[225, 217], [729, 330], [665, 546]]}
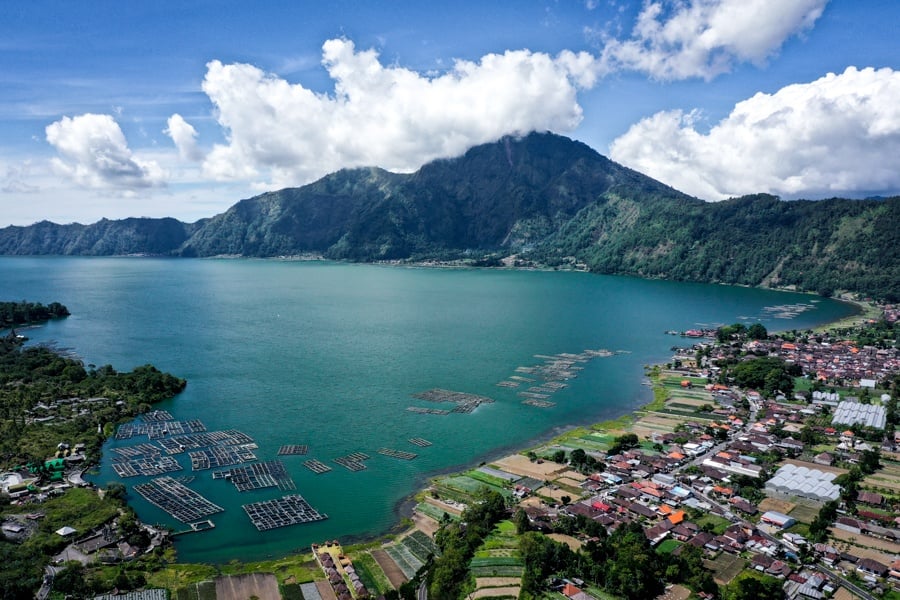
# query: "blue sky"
{"points": [[115, 109]]}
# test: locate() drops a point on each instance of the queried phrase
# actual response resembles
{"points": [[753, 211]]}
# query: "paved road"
{"points": [[836, 577]]}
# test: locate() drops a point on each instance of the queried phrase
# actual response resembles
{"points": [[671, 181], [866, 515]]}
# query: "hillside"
{"points": [[543, 197]]}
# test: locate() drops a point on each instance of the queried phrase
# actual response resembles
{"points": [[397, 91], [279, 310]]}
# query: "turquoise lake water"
{"points": [[329, 354]]}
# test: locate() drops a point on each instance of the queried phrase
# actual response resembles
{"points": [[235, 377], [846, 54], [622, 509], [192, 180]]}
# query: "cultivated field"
{"points": [[240, 587], [778, 505], [521, 465], [725, 567], [390, 568]]}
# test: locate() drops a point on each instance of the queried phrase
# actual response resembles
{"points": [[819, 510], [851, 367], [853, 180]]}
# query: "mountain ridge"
{"points": [[542, 197]]}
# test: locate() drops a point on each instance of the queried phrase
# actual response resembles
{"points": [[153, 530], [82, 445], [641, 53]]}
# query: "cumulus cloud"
{"points": [[838, 134], [676, 39], [93, 152], [381, 115], [185, 137]]}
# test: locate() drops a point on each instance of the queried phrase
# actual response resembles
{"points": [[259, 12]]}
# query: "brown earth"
{"points": [[240, 587], [503, 592], [390, 568]]}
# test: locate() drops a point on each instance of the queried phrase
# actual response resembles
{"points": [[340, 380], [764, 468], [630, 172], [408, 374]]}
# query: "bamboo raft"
{"points": [[179, 501], [146, 466], [293, 450], [538, 403], [465, 403], [284, 511], [421, 442], [397, 454], [316, 466], [221, 456], [353, 462], [257, 476], [427, 411]]}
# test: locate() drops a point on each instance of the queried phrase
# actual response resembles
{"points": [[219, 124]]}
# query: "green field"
{"points": [[667, 546]]}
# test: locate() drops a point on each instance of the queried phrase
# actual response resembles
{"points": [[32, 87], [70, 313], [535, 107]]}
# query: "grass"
{"points": [[667, 546], [719, 524], [371, 574]]}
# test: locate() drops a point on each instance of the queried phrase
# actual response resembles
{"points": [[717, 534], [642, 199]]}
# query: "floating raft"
{"points": [[533, 395], [421, 442], [202, 525], [354, 461], [179, 501], [146, 466], [159, 429], [257, 476], [293, 450], [157, 415], [288, 510], [397, 453], [316, 466], [427, 411], [465, 403], [508, 384], [538, 403], [221, 456]]}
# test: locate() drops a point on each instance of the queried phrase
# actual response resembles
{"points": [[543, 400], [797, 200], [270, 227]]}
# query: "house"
{"points": [[872, 567], [824, 459], [777, 519]]}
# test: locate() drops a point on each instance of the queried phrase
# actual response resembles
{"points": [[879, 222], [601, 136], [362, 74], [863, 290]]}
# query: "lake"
{"points": [[329, 355]]}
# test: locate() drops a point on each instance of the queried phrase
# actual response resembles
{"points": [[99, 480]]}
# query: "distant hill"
{"points": [[543, 197]]}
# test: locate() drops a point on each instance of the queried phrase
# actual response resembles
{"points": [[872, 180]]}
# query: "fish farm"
{"points": [[550, 375], [427, 411], [221, 456], [179, 501], [397, 453], [465, 403], [354, 461], [257, 476], [316, 466], [421, 442], [293, 450], [287, 510]]}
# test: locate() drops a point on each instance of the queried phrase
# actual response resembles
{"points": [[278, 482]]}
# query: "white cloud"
{"points": [[678, 39], [185, 137], [18, 179], [93, 153], [382, 115], [838, 134]]}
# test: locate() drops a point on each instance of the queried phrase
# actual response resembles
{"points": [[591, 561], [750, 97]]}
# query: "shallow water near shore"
{"points": [[329, 355]]}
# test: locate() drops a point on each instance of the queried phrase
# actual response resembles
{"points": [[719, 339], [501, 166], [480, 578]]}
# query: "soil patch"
{"points": [[390, 568], [240, 587], [522, 465]]}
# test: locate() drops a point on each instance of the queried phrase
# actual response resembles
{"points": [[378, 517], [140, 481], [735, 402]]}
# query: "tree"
{"points": [[757, 331], [634, 571], [753, 588]]}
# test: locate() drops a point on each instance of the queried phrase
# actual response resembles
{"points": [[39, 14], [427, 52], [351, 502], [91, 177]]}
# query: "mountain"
{"points": [[508, 195], [103, 238], [543, 197]]}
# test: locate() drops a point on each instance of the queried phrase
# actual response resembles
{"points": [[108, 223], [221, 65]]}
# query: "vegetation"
{"points": [[25, 313], [34, 379], [768, 374]]}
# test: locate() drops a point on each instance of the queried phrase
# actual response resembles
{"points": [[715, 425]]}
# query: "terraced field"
{"points": [[497, 567]]}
